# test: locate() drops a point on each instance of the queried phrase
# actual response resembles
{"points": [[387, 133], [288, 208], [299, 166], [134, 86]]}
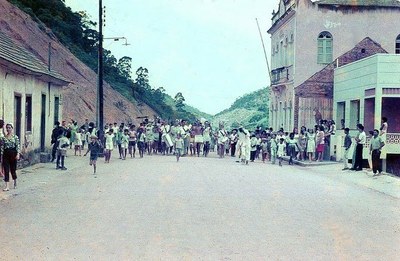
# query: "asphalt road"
{"points": [[198, 209]]}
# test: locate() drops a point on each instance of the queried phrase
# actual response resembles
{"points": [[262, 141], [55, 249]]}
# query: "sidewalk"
{"points": [[42, 173], [385, 183]]}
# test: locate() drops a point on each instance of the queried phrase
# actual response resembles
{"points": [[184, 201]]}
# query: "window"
{"points": [[397, 49], [56, 108], [325, 48], [28, 113]]}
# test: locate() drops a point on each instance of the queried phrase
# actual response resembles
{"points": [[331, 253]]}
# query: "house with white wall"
{"points": [[367, 90], [307, 36], [30, 96]]}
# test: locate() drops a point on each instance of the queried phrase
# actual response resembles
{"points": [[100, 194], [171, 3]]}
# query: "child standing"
{"points": [[125, 143], [109, 137], [178, 146], [264, 149], [141, 139], [63, 143], [94, 147], [118, 140], [281, 148], [346, 145], [292, 145], [78, 142]]}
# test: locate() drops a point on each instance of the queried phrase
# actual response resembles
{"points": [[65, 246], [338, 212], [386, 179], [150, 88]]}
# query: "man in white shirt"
{"points": [[361, 140]]}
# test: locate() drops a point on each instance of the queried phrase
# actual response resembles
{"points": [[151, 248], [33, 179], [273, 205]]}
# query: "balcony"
{"points": [[282, 75]]}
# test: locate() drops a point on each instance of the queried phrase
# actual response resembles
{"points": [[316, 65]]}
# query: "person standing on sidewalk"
{"points": [[375, 150], [346, 145], [10, 149], [57, 131], [360, 139]]}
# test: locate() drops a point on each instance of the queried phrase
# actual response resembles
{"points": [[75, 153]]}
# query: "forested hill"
{"points": [[129, 93], [250, 110]]}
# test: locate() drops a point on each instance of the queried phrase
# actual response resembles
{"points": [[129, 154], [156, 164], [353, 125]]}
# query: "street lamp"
{"points": [[117, 39]]}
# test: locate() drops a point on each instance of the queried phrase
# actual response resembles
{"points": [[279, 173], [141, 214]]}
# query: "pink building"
{"points": [[308, 36]]}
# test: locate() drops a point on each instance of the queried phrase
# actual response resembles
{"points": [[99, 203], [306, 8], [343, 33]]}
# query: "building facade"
{"points": [[30, 95], [306, 36], [367, 90]]}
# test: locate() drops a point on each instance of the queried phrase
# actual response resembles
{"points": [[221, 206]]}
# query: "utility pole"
{"points": [[100, 92]]}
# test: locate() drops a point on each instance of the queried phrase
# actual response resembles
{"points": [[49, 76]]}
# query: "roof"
{"points": [[17, 58], [365, 3], [321, 83]]}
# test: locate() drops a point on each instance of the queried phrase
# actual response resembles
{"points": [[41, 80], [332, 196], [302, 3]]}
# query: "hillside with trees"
{"points": [[250, 110], [78, 33]]}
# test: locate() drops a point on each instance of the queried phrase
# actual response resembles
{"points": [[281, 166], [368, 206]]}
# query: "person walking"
{"points": [[94, 147], [109, 137], [222, 138], [244, 141], [178, 146], [233, 141], [346, 146], [10, 149], [375, 147]]}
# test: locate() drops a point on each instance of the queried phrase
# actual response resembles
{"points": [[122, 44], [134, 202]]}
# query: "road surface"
{"points": [[198, 209]]}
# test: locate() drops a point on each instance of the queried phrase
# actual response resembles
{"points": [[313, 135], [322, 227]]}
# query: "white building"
{"points": [[367, 90], [30, 96]]}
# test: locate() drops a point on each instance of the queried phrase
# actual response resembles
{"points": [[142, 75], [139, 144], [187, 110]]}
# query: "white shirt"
{"points": [[362, 138]]}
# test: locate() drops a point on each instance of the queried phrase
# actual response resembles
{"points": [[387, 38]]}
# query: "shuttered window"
{"points": [[325, 48], [397, 49]]}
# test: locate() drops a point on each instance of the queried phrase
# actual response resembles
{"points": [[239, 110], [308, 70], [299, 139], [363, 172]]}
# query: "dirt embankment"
{"points": [[79, 98]]}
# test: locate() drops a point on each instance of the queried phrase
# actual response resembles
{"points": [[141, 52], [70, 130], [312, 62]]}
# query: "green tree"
{"points": [[124, 67], [179, 99]]}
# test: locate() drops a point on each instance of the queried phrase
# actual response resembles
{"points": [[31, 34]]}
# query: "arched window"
{"points": [[325, 44], [397, 49]]}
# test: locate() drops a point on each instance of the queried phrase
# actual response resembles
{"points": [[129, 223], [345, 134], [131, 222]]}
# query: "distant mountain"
{"points": [[250, 110]]}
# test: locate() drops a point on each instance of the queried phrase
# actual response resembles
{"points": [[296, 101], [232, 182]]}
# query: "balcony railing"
{"points": [[282, 75]]}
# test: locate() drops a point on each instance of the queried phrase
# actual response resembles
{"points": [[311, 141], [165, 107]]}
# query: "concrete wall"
{"points": [[12, 84]]}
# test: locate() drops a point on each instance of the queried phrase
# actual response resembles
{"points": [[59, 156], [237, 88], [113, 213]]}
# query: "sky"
{"points": [[210, 50]]}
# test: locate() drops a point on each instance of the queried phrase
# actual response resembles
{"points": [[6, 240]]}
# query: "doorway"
{"points": [[17, 115], [43, 123]]}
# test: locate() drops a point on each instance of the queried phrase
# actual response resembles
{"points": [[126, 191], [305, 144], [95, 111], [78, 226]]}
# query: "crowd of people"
{"points": [[182, 138], [198, 138]]}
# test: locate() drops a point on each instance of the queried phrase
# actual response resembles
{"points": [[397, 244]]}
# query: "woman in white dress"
{"points": [[310, 144]]}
